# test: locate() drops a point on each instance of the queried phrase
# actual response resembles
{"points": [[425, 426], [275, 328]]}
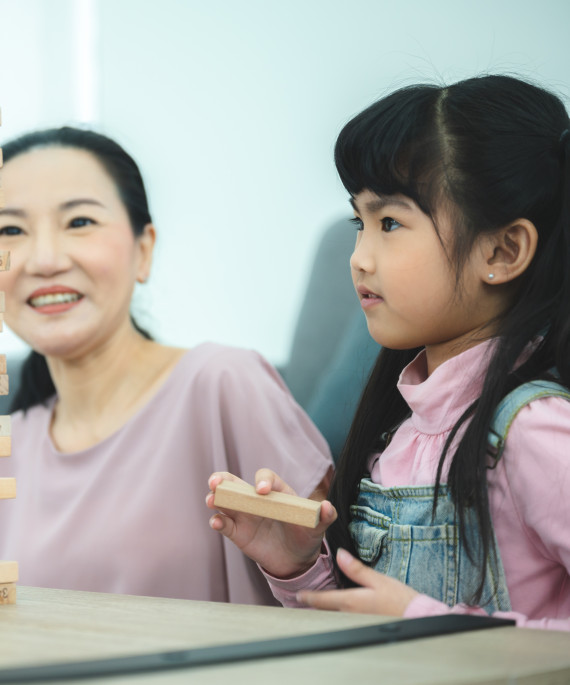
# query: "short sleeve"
{"points": [[247, 420], [261, 424]]}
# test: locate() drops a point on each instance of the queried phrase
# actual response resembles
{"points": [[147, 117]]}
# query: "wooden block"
{"points": [[275, 505], [5, 446], [8, 593], [3, 368], [8, 572], [5, 425], [4, 384], [2, 301], [4, 256], [7, 488]]}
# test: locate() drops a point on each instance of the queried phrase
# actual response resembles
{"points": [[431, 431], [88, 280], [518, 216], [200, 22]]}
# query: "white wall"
{"points": [[232, 108]]}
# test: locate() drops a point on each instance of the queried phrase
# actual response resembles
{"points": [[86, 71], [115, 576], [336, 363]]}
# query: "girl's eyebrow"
{"points": [[381, 202]]}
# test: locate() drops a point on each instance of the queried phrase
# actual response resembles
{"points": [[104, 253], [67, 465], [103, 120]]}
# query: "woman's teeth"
{"points": [[56, 298]]}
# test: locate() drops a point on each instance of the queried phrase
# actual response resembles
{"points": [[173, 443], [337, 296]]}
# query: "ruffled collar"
{"points": [[439, 400]]}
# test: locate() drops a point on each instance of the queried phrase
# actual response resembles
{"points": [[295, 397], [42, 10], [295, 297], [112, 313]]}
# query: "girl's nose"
{"points": [[362, 258]]}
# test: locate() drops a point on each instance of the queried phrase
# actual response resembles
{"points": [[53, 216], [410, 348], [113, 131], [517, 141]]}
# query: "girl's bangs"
{"points": [[390, 148]]}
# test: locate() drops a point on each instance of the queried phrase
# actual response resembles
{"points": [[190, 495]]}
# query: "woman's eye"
{"points": [[10, 230], [389, 224], [80, 222], [357, 223]]}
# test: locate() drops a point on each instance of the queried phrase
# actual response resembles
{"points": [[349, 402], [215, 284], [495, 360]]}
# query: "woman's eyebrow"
{"points": [[11, 211], [381, 202], [70, 204]]}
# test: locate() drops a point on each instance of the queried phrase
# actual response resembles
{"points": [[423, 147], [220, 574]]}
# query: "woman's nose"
{"points": [[46, 255]]}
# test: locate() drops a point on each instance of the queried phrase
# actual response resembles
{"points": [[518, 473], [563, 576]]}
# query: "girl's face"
{"points": [[406, 285], [74, 258]]}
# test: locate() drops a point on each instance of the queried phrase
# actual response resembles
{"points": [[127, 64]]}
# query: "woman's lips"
{"points": [[54, 300]]}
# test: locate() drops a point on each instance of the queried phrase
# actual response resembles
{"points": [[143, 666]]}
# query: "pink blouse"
{"points": [[528, 491], [128, 514]]}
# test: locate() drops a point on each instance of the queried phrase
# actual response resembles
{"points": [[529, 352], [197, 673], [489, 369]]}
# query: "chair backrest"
{"points": [[327, 308], [332, 352]]}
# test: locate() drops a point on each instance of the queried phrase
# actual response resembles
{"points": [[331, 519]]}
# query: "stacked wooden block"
{"points": [[8, 569]]}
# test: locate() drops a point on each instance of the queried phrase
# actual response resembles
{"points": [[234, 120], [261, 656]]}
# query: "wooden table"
{"points": [[58, 625]]}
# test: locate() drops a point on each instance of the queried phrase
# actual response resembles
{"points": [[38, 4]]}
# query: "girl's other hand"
{"points": [[284, 550], [378, 594]]}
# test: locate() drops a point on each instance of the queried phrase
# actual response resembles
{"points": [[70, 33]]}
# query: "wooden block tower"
{"points": [[8, 569]]}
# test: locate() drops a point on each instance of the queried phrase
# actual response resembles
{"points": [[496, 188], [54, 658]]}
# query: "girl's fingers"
{"points": [[224, 525], [358, 572], [336, 600], [267, 480], [218, 476], [328, 513]]}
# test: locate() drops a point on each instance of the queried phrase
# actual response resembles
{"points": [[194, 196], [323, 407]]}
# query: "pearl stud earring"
{"points": [[491, 276]]}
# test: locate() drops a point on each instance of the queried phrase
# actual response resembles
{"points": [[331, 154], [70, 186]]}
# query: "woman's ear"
{"points": [[145, 243], [508, 252]]}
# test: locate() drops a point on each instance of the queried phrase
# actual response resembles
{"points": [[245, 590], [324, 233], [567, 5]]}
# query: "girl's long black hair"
{"points": [[36, 385], [489, 150]]}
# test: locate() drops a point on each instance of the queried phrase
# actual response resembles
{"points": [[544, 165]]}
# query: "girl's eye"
{"points": [[10, 230], [358, 223], [80, 222], [389, 224]]}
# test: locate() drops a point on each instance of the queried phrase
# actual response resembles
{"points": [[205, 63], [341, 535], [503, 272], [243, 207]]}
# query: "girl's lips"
{"points": [[370, 300], [367, 297]]}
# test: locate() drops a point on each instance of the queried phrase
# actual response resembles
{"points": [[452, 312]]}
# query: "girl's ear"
{"points": [[508, 252]]}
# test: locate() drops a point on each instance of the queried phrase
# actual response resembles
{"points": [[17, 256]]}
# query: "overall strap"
{"points": [[510, 406]]}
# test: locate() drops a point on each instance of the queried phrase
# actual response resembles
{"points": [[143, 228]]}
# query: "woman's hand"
{"points": [[284, 550], [378, 594]]}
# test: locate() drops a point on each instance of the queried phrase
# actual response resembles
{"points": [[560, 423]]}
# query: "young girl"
{"points": [[452, 490]]}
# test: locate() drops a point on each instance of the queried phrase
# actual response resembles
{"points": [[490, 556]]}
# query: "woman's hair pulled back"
{"points": [[36, 385], [120, 166]]}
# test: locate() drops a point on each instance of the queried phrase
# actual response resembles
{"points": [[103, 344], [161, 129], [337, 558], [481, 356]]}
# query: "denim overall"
{"points": [[394, 533]]}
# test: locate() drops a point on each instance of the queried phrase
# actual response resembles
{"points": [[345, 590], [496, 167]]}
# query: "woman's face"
{"points": [[74, 259]]}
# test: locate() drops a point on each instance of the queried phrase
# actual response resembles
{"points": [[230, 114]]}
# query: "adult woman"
{"points": [[115, 432]]}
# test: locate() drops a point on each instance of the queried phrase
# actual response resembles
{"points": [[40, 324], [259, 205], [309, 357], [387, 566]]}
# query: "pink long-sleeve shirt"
{"points": [[528, 491]]}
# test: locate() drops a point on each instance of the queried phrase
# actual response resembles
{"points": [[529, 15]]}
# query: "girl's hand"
{"points": [[284, 550], [379, 594]]}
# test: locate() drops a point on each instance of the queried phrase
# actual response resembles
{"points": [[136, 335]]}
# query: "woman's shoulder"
{"points": [[216, 361], [35, 415], [219, 373]]}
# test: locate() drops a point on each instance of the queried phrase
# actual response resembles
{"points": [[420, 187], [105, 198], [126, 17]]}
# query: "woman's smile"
{"points": [[54, 299]]}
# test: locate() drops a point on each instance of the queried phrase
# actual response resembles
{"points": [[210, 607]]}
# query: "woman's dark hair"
{"points": [[36, 385], [488, 150]]}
